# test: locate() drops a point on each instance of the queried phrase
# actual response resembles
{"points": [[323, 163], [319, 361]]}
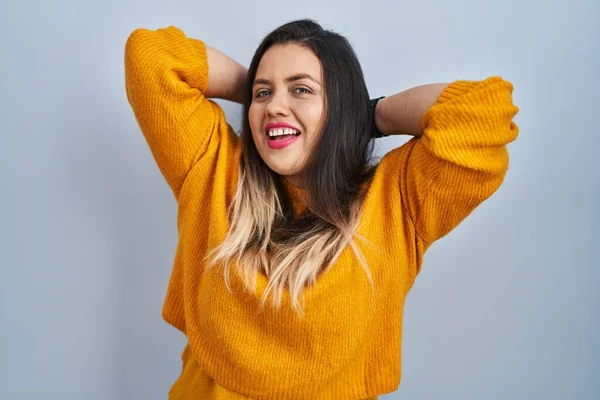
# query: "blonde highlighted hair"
{"points": [[291, 256]]}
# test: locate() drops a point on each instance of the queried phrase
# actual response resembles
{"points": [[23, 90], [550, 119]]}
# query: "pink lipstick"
{"points": [[280, 144]]}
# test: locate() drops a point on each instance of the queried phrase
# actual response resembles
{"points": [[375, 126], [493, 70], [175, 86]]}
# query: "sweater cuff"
{"points": [[200, 51], [458, 88], [192, 53]]}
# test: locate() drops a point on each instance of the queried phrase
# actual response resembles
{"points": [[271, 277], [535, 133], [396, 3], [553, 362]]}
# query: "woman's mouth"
{"points": [[281, 135]]}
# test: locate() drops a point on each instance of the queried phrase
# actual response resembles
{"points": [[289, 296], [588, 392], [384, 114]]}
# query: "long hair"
{"points": [[263, 234]]}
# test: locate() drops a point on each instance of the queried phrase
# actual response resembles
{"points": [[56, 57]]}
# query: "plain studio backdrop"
{"points": [[505, 306]]}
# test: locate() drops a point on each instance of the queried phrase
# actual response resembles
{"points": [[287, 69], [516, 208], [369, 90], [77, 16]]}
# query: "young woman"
{"points": [[295, 251]]}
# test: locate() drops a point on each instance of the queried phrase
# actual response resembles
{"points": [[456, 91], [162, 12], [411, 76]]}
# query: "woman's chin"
{"points": [[284, 170]]}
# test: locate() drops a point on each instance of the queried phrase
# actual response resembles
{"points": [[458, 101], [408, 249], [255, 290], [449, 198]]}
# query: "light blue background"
{"points": [[506, 305]]}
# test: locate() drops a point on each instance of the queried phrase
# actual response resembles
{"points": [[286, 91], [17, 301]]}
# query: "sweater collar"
{"points": [[297, 196]]}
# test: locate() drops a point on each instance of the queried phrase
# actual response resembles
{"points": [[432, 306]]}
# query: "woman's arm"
{"points": [[226, 77], [402, 113], [458, 157], [168, 83]]}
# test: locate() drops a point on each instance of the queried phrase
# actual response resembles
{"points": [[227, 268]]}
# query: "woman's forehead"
{"points": [[281, 62]]}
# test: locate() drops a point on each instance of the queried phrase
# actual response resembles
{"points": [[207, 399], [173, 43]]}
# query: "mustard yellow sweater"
{"points": [[348, 344]]}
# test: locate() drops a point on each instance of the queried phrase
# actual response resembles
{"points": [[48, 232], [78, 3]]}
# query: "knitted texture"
{"points": [[348, 343]]}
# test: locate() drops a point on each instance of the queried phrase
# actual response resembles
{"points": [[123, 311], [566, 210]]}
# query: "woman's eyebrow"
{"points": [[295, 77]]}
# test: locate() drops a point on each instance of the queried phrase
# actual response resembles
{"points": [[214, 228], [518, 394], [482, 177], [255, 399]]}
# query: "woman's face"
{"points": [[287, 109]]}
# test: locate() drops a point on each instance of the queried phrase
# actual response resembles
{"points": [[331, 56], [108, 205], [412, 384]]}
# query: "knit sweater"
{"points": [[348, 343]]}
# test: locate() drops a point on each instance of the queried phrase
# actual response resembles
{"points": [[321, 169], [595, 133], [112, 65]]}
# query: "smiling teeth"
{"points": [[280, 132]]}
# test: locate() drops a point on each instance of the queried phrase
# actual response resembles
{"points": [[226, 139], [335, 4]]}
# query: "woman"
{"points": [[295, 253]]}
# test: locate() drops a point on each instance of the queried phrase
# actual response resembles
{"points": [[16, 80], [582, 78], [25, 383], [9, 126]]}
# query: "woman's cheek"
{"points": [[254, 120], [316, 114]]}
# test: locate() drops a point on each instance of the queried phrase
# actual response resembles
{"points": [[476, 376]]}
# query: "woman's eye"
{"points": [[302, 90], [262, 93]]}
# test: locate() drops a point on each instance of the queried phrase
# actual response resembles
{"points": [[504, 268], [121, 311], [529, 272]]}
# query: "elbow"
{"points": [[134, 47]]}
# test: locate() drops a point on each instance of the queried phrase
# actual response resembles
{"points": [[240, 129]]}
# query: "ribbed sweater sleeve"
{"points": [[460, 160], [166, 76]]}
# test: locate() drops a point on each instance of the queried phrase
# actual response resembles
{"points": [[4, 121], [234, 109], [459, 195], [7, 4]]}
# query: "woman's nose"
{"points": [[277, 105]]}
